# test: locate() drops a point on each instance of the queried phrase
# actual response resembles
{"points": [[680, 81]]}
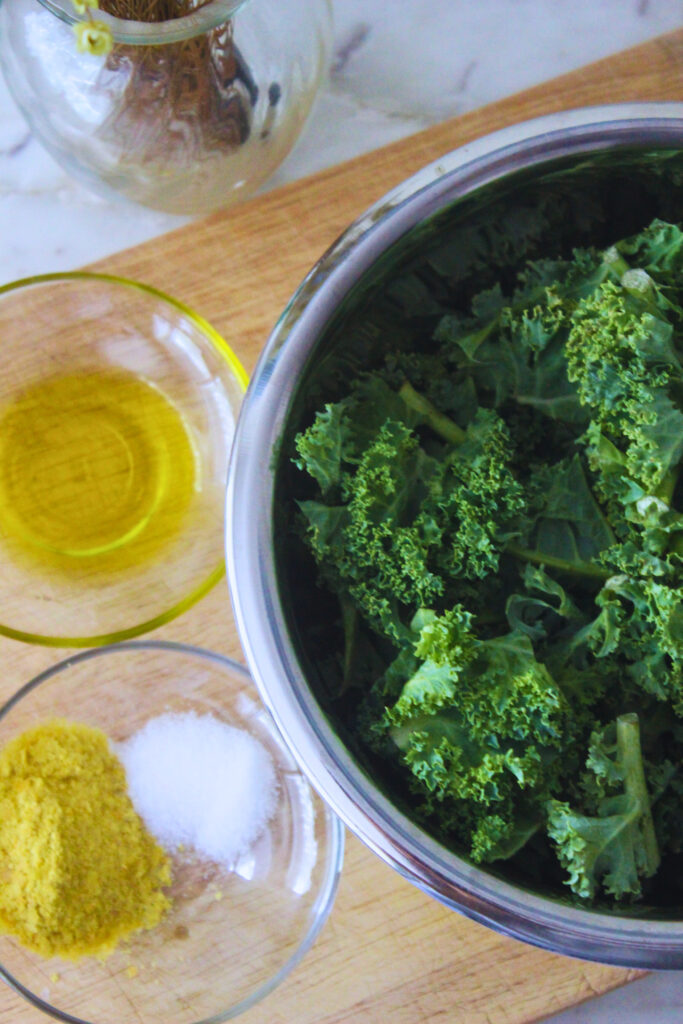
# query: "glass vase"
{"points": [[184, 115]]}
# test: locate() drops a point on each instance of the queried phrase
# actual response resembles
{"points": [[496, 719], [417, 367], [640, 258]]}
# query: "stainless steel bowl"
{"points": [[459, 186]]}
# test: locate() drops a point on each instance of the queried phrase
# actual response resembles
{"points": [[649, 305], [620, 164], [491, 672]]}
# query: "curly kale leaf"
{"points": [[518, 355], [498, 510], [514, 349], [479, 723], [341, 432], [544, 609], [375, 544], [615, 847], [565, 527], [622, 358], [406, 522], [475, 500], [658, 251], [501, 689], [645, 620], [320, 448]]}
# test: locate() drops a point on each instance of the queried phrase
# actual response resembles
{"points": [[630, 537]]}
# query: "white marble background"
{"points": [[462, 54]]}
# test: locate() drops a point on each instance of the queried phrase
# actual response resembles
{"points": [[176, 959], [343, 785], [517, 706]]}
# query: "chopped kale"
{"points": [[499, 517]]}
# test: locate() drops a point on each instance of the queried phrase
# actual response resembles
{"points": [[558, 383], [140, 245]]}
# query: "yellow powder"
{"points": [[78, 870]]}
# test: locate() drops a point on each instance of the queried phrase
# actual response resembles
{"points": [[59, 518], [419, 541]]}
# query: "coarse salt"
{"points": [[201, 783]]}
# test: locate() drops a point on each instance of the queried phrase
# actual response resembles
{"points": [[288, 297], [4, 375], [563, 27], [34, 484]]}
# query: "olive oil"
{"points": [[97, 470]]}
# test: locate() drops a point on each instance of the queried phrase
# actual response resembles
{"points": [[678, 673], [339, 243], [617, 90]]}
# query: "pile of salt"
{"points": [[198, 782]]}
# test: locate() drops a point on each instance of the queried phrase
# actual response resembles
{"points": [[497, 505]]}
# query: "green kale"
{"points": [[405, 523], [479, 725], [498, 513], [616, 847], [623, 360]]}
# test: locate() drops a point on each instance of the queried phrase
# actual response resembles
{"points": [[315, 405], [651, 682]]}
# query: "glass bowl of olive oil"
{"points": [[117, 410]]}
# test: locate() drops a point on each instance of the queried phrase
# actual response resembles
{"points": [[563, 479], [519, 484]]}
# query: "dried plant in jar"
{"points": [[185, 106], [182, 99]]}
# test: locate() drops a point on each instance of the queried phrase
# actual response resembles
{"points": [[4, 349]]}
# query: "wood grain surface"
{"points": [[388, 952]]}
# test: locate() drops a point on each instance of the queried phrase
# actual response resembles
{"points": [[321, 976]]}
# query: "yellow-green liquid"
{"points": [[96, 469]]}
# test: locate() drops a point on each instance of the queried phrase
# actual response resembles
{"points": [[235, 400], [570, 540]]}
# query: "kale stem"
{"points": [[631, 758], [665, 492], [350, 624], [471, 342], [440, 424], [616, 263], [577, 568], [666, 489]]}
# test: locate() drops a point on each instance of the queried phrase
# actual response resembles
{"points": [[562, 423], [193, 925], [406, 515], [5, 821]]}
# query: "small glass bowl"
{"points": [[230, 936], [117, 411]]}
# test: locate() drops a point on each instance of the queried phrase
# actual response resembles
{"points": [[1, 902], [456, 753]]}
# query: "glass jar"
{"points": [[185, 115]]}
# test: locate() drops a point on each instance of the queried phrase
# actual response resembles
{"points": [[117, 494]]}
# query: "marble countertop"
{"points": [[468, 54]]}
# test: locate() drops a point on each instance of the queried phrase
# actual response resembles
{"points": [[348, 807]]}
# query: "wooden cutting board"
{"points": [[388, 952]]}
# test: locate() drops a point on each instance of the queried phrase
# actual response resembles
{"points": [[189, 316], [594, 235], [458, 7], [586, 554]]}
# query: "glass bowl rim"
{"points": [[334, 847], [209, 15], [229, 357]]}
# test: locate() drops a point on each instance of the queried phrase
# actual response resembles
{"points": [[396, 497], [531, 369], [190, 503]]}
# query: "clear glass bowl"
{"points": [[229, 937], [117, 411], [185, 115]]}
